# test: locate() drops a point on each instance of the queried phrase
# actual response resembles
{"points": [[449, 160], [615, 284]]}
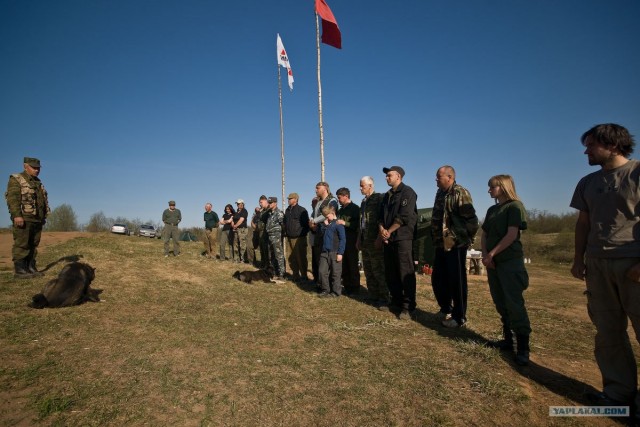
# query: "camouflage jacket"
{"points": [[454, 214], [274, 223], [370, 217], [27, 198]]}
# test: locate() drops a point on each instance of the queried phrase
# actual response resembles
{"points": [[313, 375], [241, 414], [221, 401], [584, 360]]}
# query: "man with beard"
{"points": [[607, 257]]}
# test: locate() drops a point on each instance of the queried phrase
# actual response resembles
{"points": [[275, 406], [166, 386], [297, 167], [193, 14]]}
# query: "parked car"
{"points": [[147, 230], [120, 229]]}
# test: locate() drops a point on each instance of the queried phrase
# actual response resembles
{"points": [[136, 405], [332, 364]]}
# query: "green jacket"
{"points": [[27, 198], [370, 217]]}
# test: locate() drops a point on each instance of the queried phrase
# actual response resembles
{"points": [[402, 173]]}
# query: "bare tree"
{"points": [[98, 222], [62, 218]]}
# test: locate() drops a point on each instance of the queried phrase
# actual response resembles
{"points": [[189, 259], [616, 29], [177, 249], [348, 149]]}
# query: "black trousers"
{"points": [[449, 282], [400, 273]]}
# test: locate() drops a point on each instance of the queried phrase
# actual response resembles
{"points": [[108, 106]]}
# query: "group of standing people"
{"points": [[607, 247]]}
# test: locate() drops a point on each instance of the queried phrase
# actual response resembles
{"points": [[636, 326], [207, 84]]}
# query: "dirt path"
{"points": [[48, 238]]}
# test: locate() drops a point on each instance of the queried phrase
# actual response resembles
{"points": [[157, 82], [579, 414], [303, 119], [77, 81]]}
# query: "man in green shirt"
{"points": [[211, 222], [28, 208]]}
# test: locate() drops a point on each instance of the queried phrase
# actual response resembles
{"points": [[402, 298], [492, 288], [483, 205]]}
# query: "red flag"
{"points": [[330, 31]]}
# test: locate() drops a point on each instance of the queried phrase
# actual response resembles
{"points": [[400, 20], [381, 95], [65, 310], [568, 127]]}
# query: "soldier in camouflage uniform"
{"points": [[370, 244], [263, 237], [28, 208], [453, 226], [274, 230]]}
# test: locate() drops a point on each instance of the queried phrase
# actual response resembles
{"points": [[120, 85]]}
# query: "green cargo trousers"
{"points": [[26, 240]]}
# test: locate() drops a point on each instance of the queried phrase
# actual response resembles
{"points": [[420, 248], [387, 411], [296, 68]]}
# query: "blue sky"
{"points": [[132, 103]]}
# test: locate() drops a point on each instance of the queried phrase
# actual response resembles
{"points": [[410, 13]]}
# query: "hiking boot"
{"points": [[602, 399], [505, 344], [21, 269], [522, 349], [404, 315], [31, 266], [383, 305], [324, 295]]}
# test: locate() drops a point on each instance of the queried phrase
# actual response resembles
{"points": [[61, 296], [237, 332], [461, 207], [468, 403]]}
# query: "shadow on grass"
{"points": [[68, 258], [553, 381]]}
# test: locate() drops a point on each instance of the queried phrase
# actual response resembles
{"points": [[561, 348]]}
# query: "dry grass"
{"points": [[176, 341]]}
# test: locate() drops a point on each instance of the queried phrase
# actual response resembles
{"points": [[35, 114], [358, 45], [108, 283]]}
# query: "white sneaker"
{"points": [[443, 316]]}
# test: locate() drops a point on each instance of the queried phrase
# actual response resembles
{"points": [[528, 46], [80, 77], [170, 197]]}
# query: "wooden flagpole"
{"points": [[320, 101], [284, 247], [281, 134]]}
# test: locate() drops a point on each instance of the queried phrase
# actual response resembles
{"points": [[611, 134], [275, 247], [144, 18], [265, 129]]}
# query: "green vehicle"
{"points": [[423, 249]]}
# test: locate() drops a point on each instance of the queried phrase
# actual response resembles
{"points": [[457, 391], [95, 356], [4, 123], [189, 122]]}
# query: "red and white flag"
{"points": [[283, 59], [330, 32]]}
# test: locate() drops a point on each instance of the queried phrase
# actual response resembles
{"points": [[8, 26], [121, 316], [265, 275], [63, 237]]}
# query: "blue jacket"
{"points": [[334, 238]]}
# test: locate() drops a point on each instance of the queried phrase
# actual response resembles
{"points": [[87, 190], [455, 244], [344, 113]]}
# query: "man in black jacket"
{"points": [[296, 228], [398, 219]]}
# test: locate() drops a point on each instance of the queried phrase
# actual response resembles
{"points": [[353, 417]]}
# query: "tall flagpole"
{"points": [[284, 247], [320, 101], [281, 133]]}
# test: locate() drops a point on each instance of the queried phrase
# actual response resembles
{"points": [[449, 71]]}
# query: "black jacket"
{"points": [[296, 221], [400, 206]]}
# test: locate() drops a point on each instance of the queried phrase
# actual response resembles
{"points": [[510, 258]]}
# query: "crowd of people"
{"points": [[382, 230]]}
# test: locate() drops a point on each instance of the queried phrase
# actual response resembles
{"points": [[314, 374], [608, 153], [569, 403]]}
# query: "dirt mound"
{"points": [[48, 238]]}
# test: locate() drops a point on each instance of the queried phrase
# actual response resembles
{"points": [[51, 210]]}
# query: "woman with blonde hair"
{"points": [[503, 256]]}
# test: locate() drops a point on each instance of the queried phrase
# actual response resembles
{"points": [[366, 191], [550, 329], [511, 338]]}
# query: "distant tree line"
{"points": [[543, 222], [63, 218]]}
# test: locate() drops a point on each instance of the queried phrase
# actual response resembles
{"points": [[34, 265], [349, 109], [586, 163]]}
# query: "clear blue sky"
{"points": [[132, 103]]}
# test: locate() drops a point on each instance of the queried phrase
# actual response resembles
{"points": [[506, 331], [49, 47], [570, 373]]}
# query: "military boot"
{"points": [[522, 353], [22, 269], [505, 344], [31, 266]]}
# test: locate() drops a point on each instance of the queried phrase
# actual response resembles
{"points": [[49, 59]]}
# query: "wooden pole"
{"points": [[284, 248], [320, 101]]}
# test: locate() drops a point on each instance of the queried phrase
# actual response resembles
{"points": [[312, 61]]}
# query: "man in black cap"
{"points": [[398, 219], [28, 208], [171, 218]]}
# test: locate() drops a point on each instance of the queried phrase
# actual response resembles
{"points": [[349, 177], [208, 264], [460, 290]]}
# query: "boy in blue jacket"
{"points": [[330, 263]]}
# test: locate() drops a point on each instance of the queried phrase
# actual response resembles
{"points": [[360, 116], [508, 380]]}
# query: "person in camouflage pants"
{"points": [[370, 244], [28, 207], [263, 237], [274, 231]]}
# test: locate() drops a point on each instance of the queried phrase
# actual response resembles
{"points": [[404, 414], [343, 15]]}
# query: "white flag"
{"points": [[283, 60]]}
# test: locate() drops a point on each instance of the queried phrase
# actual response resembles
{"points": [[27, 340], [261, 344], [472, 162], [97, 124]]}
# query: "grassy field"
{"points": [[176, 341]]}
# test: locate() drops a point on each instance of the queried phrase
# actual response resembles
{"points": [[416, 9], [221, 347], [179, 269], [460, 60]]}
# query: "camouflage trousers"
{"points": [[171, 232], [240, 244], [210, 242], [26, 240], [373, 264], [277, 255]]}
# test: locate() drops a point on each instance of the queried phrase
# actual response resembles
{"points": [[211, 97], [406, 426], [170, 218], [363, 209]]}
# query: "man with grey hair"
{"points": [[370, 244]]}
